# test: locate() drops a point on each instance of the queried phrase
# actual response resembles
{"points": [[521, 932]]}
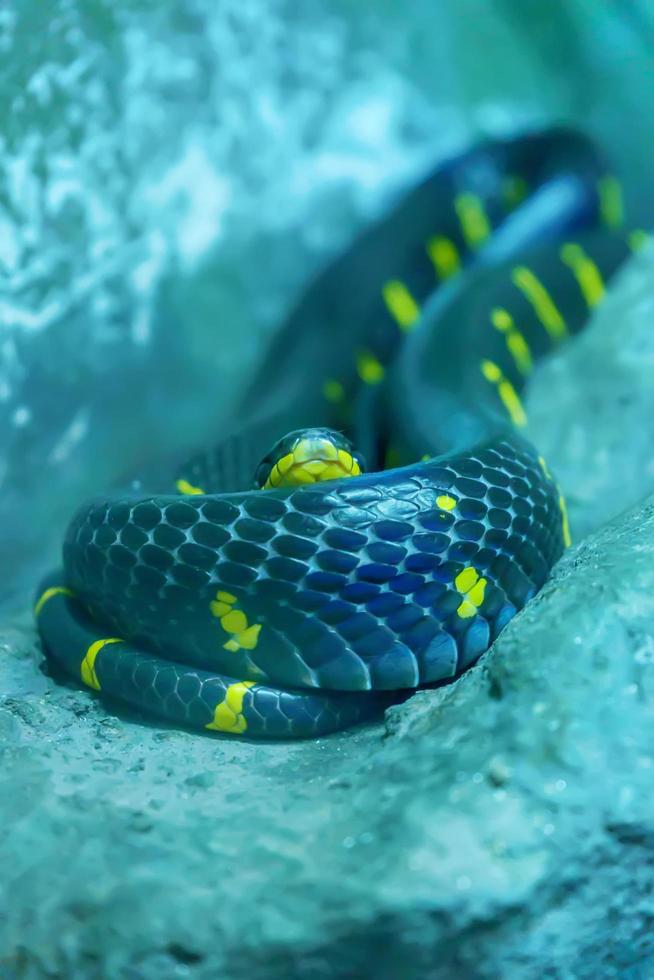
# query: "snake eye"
{"points": [[308, 456]]}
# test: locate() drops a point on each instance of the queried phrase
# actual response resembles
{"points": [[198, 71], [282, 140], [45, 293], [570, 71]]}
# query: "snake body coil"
{"points": [[298, 611]]}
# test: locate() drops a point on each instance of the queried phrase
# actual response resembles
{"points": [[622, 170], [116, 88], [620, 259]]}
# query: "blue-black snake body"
{"points": [[295, 611]]}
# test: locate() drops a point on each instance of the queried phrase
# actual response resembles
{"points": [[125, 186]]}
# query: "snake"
{"points": [[401, 518]]}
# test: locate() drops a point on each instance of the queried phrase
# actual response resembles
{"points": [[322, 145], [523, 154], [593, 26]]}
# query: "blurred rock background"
{"points": [[170, 175]]}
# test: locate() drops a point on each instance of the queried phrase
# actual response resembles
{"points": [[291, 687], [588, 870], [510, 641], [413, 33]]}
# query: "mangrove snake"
{"points": [[297, 610]]}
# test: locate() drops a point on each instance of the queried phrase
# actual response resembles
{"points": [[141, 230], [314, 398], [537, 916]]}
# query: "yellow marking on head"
{"points": [[544, 468], [475, 225], [369, 369], [312, 460], [243, 636], [515, 342], [316, 467], [228, 714], [87, 667], [470, 584], [284, 464], [333, 391], [508, 395], [345, 459], [314, 448], [48, 594], [333, 471], [534, 291], [638, 239], [299, 475], [185, 487], [305, 453], [444, 256], [400, 304], [610, 201], [565, 523], [514, 190], [585, 272], [445, 502], [279, 471]]}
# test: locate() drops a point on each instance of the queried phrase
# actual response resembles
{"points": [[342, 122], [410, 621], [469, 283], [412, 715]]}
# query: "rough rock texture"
{"points": [[498, 827]]}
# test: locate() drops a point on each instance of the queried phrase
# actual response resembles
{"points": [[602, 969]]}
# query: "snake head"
{"points": [[308, 456]]}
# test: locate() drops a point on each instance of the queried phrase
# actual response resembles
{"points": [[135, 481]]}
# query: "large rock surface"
{"points": [[498, 827]]}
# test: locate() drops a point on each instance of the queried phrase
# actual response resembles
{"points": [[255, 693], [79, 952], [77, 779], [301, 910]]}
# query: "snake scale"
{"points": [[293, 611]]}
